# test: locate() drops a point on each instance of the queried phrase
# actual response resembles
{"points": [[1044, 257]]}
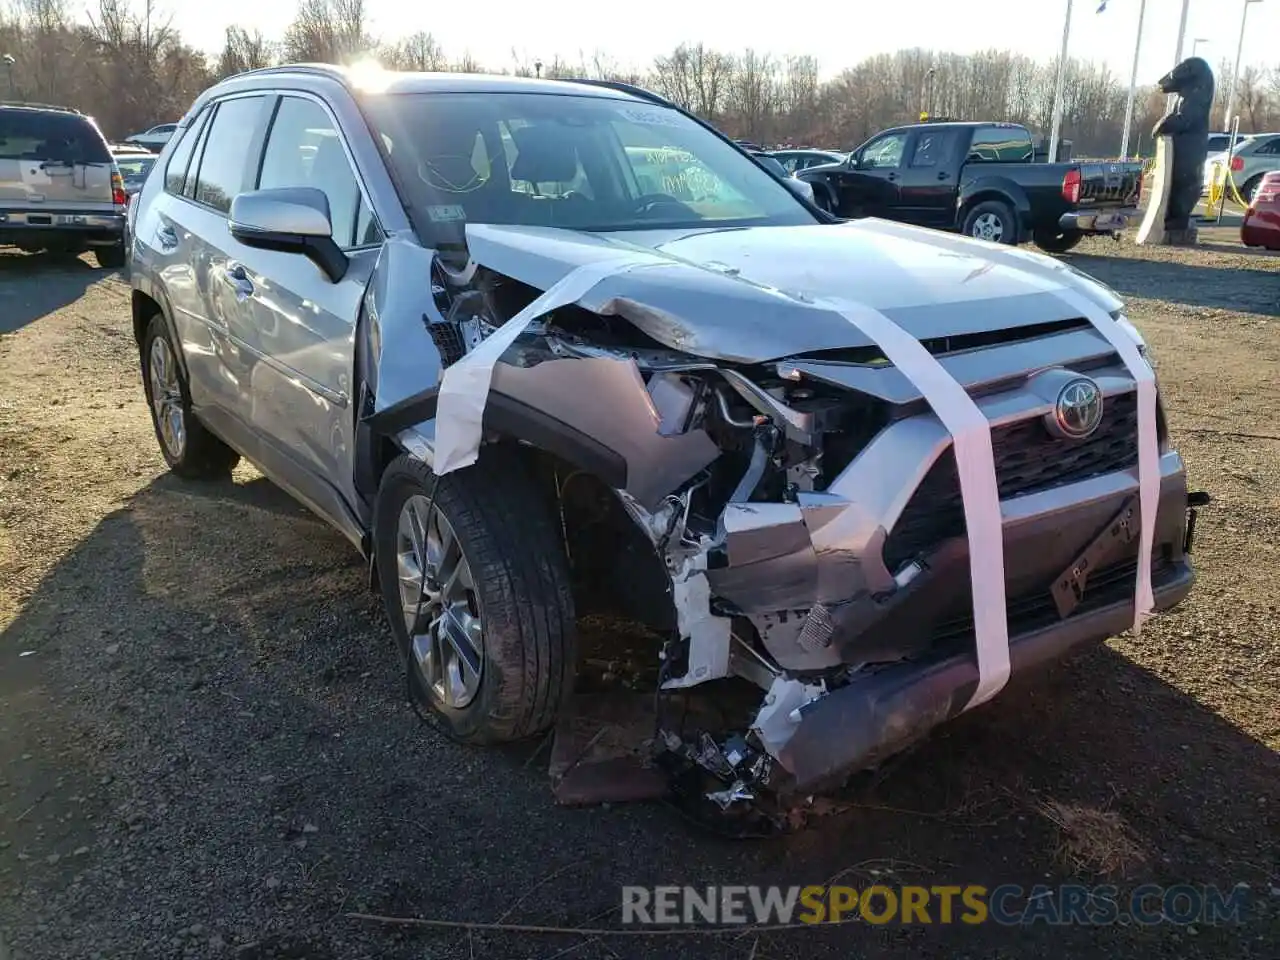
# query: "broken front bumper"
{"points": [[881, 713]]}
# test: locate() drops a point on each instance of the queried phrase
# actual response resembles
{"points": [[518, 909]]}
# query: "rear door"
{"points": [[927, 181], [53, 161], [186, 231]]}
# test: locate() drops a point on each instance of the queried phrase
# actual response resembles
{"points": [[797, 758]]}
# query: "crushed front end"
{"points": [[800, 513]]}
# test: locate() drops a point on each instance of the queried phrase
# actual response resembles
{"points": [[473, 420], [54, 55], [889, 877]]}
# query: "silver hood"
{"points": [[755, 294]]}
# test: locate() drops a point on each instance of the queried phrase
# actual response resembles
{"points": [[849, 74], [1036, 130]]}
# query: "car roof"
{"points": [[400, 82]]}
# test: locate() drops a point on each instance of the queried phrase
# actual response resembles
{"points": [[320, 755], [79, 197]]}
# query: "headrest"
{"points": [[544, 154]]}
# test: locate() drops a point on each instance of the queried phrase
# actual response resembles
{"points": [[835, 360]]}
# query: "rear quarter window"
{"points": [[49, 135], [1000, 145]]}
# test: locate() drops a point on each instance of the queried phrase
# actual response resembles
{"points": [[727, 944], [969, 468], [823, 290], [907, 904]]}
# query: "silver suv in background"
{"points": [[60, 189], [534, 345]]}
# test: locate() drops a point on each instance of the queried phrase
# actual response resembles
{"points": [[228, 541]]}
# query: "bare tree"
{"points": [[328, 31], [244, 51], [419, 51]]}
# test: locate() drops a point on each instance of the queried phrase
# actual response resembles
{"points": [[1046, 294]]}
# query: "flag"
{"points": [[1102, 5]]}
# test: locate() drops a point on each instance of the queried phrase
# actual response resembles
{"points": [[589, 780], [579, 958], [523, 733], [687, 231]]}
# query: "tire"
{"points": [[111, 258], [997, 216], [519, 590], [1057, 241], [188, 448], [1249, 189]]}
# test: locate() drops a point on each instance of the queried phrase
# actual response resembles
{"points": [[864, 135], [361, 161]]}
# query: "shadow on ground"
{"points": [[1222, 287], [209, 734], [26, 293]]}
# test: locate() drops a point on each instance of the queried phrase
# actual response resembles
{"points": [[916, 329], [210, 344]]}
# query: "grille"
{"points": [[1036, 610], [1028, 459]]}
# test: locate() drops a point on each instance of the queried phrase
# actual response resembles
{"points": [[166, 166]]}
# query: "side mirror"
{"points": [[801, 188], [289, 220]]}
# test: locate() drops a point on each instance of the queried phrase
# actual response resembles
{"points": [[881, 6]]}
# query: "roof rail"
{"points": [[622, 87], [40, 106], [329, 70]]}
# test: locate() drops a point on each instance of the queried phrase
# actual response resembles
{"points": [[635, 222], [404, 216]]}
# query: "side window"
{"points": [[175, 174], [1000, 145], [1270, 148], [884, 153], [305, 150], [932, 148], [223, 163], [792, 163]]}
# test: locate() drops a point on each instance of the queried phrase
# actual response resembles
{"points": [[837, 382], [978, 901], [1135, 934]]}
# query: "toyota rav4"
{"points": [[536, 345]]}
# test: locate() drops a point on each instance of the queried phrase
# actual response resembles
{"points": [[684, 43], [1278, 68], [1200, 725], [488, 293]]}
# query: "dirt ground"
{"points": [[205, 749]]}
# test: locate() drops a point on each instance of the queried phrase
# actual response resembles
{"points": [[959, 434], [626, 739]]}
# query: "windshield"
{"points": [[134, 167], [584, 163]]}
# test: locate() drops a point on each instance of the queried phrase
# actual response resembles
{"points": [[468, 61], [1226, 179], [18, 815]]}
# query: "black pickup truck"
{"points": [[979, 179]]}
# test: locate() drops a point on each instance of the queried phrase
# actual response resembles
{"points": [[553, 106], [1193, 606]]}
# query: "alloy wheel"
{"points": [[438, 600], [166, 398]]}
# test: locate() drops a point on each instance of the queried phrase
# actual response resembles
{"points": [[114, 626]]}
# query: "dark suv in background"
{"points": [[60, 189]]}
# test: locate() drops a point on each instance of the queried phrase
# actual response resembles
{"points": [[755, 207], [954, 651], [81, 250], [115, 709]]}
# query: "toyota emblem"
{"points": [[1078, 409]]}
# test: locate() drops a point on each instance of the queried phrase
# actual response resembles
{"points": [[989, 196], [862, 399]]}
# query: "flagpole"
{"points": [[1056, 124], [1133, 84]]}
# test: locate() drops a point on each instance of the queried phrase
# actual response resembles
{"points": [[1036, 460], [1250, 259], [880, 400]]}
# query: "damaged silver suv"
{"points": [[538, 347]]}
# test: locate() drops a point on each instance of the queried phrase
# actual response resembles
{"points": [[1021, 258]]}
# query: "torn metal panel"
{"points": [[777, 721], [607, 400], [406, 362], [464, 389], [708, 635]]}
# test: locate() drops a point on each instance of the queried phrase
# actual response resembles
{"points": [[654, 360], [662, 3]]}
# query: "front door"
{"points": [[301, 325], [868, 186]]}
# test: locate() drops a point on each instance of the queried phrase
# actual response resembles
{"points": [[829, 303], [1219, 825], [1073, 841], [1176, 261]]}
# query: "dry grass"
{"points": [[1094, 840]]}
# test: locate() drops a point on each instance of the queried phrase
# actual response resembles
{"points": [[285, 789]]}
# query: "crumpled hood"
{"points": [[762, 293]]}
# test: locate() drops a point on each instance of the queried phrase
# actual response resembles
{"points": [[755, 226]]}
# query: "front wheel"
{"points": [[992, 221], [1249, 189], [477, 592], [1057, 241]]}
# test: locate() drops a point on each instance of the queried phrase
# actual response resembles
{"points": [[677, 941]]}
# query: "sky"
{"points": [[838, 33]]}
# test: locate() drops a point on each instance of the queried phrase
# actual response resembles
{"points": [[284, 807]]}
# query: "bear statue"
{"points": [[1187, 124]]}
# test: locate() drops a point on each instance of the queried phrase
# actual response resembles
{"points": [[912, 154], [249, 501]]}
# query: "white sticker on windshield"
{"points": [[654, 118], [446, 213]]}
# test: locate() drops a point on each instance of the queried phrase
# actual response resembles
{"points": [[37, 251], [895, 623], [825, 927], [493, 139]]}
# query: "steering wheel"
{"points": [[647, 202]]}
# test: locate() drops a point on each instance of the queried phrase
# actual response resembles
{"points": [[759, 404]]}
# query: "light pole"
{"points": [[1133, 83], [8, 61], [926, 92], [1056, 124], [1235, 68], [1182, 31]]}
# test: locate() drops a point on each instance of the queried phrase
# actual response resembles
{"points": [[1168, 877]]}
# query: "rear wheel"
{"points": [[992, 221], [477, 592], [190, 450], [110, 258], [1057, 241], [1249, 189]]}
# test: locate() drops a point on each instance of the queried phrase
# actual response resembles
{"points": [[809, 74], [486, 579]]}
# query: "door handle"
{"points": [[167, 237], [943, 176], [239, 280], [893, 176]]}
